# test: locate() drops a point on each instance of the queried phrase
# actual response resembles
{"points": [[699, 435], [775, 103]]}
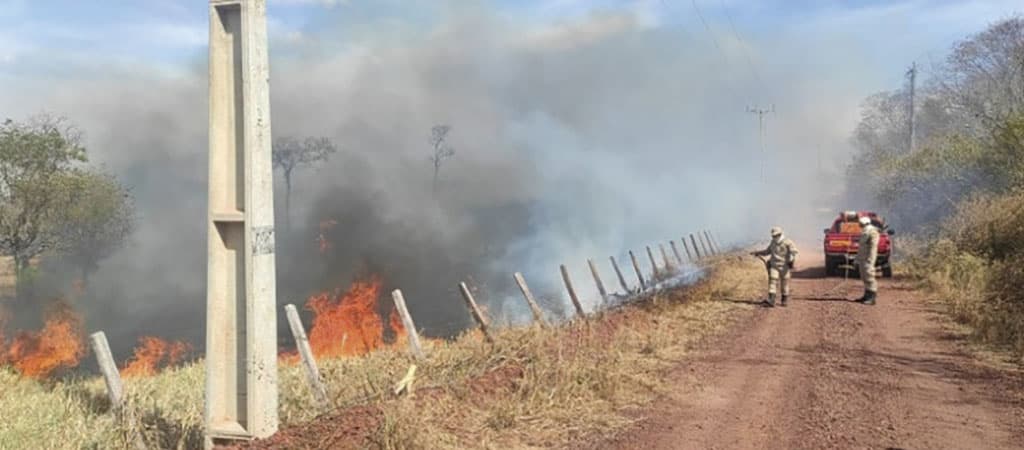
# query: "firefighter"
{"points": [[867, 253], [781, 253]]}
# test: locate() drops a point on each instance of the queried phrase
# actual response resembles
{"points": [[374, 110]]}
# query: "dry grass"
{"points": [[976, 267], [533, 387]]}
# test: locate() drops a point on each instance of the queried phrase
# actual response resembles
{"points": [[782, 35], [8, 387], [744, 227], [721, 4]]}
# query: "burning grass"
{"points": [[58, 345], [534, 387]]}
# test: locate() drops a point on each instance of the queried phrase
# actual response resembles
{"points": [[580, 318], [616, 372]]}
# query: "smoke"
{"points": [[575, 140]]}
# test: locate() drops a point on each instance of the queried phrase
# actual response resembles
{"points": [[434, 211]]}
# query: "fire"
{"points": [[348, 324], [58, 345], [152, 353]]}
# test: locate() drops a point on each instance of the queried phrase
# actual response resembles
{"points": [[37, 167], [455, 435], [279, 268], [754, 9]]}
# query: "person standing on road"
{"points": [[867, 253], [781, 253]]}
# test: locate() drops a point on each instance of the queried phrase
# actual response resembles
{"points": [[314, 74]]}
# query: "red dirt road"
{"points": [[830, 373]]}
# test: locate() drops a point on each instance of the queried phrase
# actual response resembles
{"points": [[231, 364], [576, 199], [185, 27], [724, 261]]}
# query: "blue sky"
{"points": [[172, 32]]}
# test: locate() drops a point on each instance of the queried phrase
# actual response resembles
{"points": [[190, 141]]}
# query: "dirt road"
{"points": [[830, 373]]}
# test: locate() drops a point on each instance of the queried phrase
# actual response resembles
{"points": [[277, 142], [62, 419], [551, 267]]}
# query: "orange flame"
{"points": [[58, 345], [349, 324], [153, 353]]}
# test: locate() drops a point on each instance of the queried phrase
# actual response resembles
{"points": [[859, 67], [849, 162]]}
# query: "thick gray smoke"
{"points": [[573, 141]]}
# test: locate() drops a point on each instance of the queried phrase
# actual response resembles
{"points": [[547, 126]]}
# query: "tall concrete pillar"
{"points": [[241, 317]]}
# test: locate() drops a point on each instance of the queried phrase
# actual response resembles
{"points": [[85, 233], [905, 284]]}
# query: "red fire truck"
{"points": [[841, 243]]}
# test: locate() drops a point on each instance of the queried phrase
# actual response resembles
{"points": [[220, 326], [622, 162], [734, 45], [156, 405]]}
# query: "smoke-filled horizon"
{"points": [[576, 140]]}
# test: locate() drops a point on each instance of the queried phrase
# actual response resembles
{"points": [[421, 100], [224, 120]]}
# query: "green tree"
{"points": [[36, 159], [97, 222]]}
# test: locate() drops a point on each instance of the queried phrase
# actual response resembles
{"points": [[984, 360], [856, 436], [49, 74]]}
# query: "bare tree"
{"points": [[983, 76], [289, 153], [440, 148]]}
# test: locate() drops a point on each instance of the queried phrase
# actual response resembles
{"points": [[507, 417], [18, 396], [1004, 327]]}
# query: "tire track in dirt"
{"points": [[826, 372]]}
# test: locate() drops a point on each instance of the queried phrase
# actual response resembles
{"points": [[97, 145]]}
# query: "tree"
{"points": [[440, 148], [37, 159], [983, 76], [289, 153], [97, 222]]}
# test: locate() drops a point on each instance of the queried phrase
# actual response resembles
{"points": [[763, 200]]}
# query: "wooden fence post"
{"points": [[654, 264], [618, 273], [316, 385], [675, 251], [695, 249], [538, 315], [664, 256], [474, 310], [597, 281], [639, 274], [115, 389], [408, 324], [686, 247], [572, 292]]}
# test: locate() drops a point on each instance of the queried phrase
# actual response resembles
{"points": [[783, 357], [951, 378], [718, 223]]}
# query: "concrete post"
{"points": [[636, 268], [675, 251], [597, 281], [115, 389], [703, 245], [686, 247], [618, 273], [241, 309], [664, 257], [654, 264], [407, 323], [712, 243], [474, 310], [316, 385], [572, 292], [695, 249], [538, 315]]}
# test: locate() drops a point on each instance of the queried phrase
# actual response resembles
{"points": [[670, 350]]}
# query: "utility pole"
{"points": [[912, 75], [761, 133]]}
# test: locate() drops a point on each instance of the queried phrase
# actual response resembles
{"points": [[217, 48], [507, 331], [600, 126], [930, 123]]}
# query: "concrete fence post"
{"points": [[316, 385], [597, 281], [618, 273], [115, 389], [714, 238], [474, 310], [654, 264], [408, 324], [675, 251], [572, 292], [669, 266], [538, 315], [703, 244], [695, 249], [686, 247], [711, 247], [636, 268]]}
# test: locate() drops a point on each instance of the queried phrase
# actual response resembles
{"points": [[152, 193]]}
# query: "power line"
{"points": [[743, 46], [710, 32]]}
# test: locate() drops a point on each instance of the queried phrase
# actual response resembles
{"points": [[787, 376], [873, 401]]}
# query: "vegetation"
{"points": [[532, 387], [961, 192], [50, 203], [289, 153]]}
